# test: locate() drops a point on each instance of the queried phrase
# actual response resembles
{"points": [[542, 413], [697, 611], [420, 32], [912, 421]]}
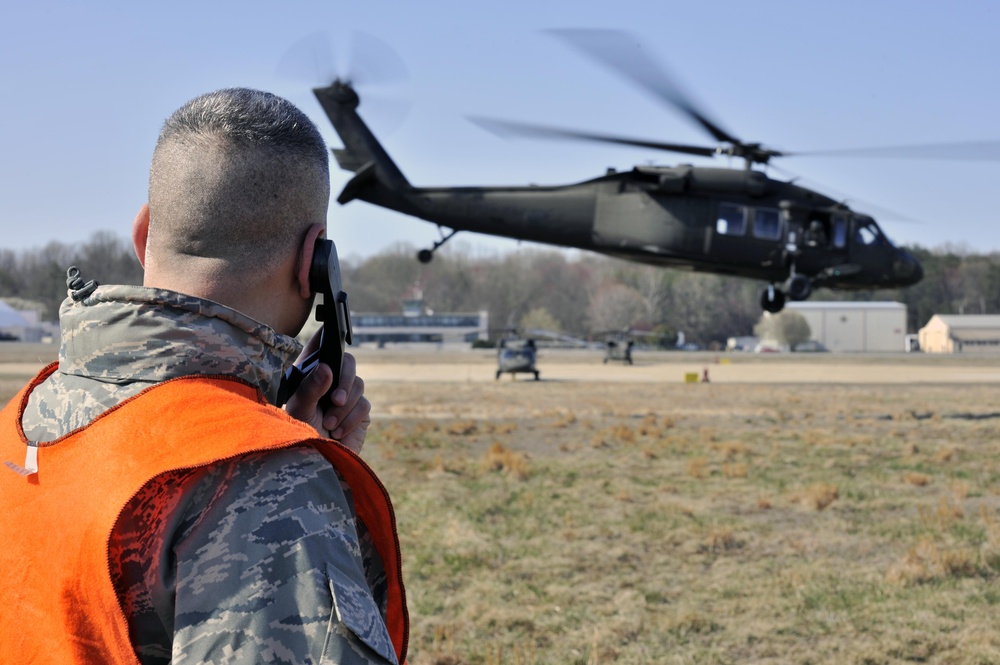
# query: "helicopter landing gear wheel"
{"points": [[772, 299], [426, 255], [798, 287]]}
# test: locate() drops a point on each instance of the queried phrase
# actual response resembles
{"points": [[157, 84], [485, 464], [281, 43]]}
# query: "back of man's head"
{"points": [[237, 177]]}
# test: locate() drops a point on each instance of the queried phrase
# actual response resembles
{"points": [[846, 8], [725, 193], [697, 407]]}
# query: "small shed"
{"points": [[873, 327], [961, 333]]}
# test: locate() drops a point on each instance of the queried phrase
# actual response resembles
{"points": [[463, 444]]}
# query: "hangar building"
{"points": [[418, 324], [874, 327], [961, 333], [457, 328]]}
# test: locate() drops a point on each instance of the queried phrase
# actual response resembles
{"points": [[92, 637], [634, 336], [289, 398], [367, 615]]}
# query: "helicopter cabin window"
{"points": [[767, 224], [839, 232], [732, 220]]}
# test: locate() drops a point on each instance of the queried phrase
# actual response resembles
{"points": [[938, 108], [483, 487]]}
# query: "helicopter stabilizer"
{"points": [[363, 177], [340, 102], [347, 160]]}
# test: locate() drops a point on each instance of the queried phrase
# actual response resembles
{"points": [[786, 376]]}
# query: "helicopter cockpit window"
{"points": [[732, 220], [866, 233], [767, 224]]}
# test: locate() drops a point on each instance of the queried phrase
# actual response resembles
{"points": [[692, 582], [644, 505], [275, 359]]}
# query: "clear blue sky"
{"points": [[86, 85]]}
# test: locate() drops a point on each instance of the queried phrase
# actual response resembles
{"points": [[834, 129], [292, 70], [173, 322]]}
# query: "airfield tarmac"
{"points": [[435, 365], [430, 364]]}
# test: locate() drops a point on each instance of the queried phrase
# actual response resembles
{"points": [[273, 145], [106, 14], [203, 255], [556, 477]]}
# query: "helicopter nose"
{"points": [[906, 268]]}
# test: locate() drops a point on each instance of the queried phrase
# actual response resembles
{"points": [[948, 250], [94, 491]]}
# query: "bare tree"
{"points": [[786, 327], [655, 286], [615, 307], [539, 318], [110, 259], [380, 283]]}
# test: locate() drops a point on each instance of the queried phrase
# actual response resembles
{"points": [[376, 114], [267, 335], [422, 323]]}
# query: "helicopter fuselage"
{"points": [[669, 216], [718, 220]]}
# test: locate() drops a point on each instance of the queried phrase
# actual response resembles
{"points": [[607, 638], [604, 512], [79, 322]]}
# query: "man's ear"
{"points": [[305, 259], [140, 233]]}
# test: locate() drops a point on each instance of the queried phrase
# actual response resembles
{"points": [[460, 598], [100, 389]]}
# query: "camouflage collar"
{"points": [[133, 333]]}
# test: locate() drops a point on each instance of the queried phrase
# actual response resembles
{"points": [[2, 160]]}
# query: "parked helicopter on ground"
{"points": [[618, 344], [718, 220], [619, 348], [517, 348], [516, 355]]}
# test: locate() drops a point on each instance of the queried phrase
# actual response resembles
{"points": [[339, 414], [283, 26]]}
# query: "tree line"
{"points": [[576, 293], [36, 278]]}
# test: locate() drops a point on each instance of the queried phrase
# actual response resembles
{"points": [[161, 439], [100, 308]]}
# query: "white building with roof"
{"points": [[419, 324], [961, 333], [453, 328], [873, 327]]}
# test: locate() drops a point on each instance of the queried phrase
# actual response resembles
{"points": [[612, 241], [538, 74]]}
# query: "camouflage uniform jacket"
{"points": [[257, 559]]}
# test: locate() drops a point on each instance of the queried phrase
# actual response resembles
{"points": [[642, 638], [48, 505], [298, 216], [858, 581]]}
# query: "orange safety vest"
{"points": [[58, 601]]}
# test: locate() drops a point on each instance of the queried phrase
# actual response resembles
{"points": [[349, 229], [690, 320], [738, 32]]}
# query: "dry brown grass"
{"points": [[722, 539], [501, 458], [738, 470], [929, 561], [945, 455], [818, 496], [565, 421], [961, 489], [945, 515], [624, 434], [462, 428], [918, 479], [490, 427], [732, 449], [698, 468]]}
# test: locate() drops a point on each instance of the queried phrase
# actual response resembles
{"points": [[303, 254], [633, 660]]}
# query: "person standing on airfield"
{"points": [[158, 508]]}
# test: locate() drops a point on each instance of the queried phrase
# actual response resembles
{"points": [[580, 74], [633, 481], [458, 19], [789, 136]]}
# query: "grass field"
{"points": [[598, 516]]}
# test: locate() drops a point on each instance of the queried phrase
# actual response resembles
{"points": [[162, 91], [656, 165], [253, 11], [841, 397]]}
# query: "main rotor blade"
{"points": [[374, 63], [964, 151], [358, 57], [372, 67], [856, 204], [310, 59], [622, 53], [505, 128]]}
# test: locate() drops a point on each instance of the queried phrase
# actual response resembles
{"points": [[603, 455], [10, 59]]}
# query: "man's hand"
{"points": [[346, 416]]}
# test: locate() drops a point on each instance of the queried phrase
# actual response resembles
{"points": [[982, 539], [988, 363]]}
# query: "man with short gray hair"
{"points": [[166, 511]]}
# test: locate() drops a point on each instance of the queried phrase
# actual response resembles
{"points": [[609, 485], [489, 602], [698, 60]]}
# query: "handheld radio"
{"points": [[335, 315]]}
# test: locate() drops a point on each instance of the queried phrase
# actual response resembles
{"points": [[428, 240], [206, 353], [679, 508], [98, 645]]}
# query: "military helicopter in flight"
{"points": [[727, 221]]}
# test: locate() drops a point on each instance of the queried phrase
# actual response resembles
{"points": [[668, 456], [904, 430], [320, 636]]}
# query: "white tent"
{"points": [[10, 318]]}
